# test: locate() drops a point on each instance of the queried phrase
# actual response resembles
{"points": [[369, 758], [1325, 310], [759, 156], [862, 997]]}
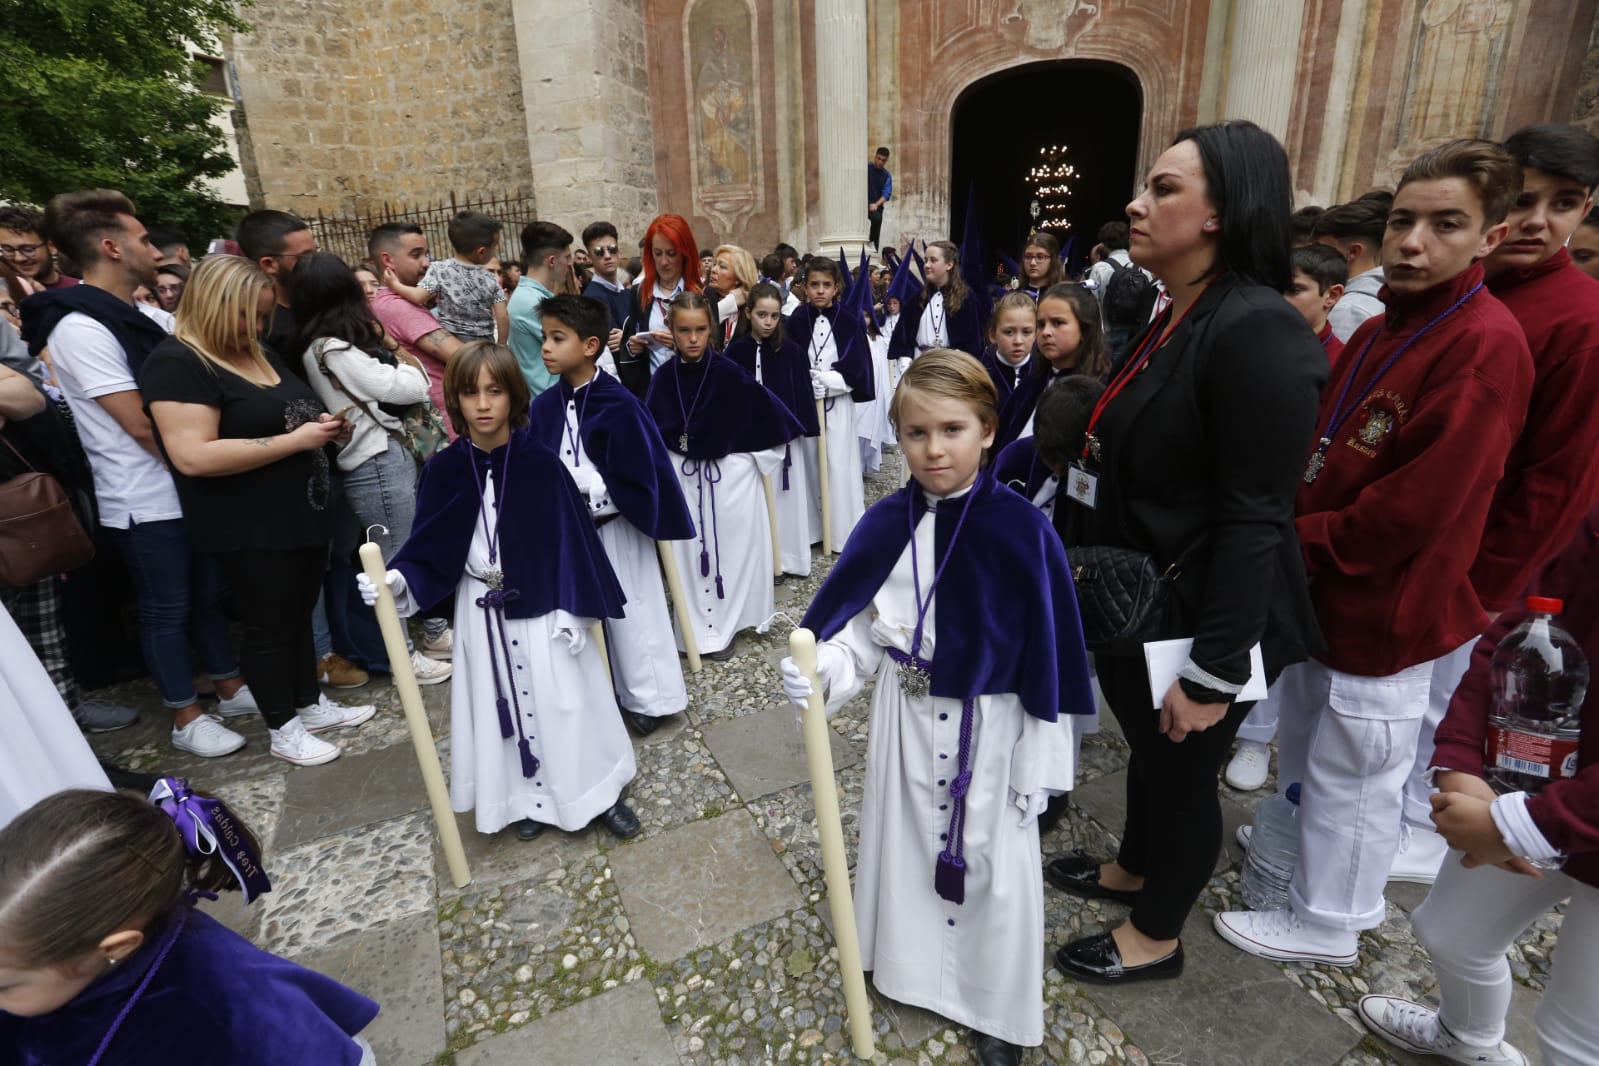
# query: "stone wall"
{"points": [[346, 106], [1585, 107]]}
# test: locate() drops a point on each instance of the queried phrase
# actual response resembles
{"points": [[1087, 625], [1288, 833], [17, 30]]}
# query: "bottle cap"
{"points": [[1293, 793], [1545, 605]]}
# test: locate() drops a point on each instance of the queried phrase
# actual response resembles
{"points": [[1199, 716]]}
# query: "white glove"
{"points": [[369, 592], [796, 685], [1031, 805], [576, 639], [818, 390], [833, 668]]}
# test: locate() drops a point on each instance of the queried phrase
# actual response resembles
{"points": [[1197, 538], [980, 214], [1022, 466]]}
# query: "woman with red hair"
{"points": [[671, 266]]}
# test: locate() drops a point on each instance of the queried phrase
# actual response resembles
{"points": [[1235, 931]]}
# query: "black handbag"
{"points": [[1123, 596]]}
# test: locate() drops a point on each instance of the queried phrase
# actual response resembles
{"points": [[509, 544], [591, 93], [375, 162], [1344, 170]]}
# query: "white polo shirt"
{"points": [[130, 484]]}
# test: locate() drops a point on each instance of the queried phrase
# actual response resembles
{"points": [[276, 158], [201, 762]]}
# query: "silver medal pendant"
{"points": [[682, 443], [1318, 459], [914, 681], [494, 579]]}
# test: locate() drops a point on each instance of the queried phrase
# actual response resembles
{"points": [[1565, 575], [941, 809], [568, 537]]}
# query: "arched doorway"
{"points": [[999, 125]]}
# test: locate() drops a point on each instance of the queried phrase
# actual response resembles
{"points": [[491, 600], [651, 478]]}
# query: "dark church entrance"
{"points": [[1007, 124]]}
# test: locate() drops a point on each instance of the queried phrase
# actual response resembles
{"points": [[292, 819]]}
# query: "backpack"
{"points": [[1128, 296]]}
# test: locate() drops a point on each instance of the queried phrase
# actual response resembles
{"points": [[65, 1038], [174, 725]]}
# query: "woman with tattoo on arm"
{"points": [[247, 442]]}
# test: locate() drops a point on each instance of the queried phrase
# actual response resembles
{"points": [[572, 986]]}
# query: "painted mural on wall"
{"points": [[724, 107], [1455, 69]]}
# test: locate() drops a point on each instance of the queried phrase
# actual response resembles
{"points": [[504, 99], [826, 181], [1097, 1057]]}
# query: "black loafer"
{"points": [[528, 829], [992, 1051], [1097, 959], [642, 724], [723, 655], [621, 821], [1078, 873]]}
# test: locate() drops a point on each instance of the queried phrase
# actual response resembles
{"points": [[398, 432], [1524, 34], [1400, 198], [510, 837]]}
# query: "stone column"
{"points": [[1262, 53], [841, 102]]}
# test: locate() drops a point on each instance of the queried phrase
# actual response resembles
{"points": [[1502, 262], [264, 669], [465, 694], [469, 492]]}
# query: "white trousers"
{"points": [[1447, 671], [1351, 741], [1260, 725], [1467, 923]]}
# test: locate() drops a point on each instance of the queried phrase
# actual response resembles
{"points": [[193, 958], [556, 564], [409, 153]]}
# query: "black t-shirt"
{"points": [[281, 505], [279, 336]]}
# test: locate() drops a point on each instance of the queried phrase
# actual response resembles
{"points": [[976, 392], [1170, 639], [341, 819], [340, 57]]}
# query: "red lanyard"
{"points": [[1155, 338]]}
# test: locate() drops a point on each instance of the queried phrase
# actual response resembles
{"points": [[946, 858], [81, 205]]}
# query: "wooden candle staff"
{"points": [[416, 719], [685, 617], [771, 514], [835, 862]]}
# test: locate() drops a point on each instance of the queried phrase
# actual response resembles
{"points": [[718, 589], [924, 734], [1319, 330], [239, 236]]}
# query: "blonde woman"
{"points": [[247, 442], [733, 275]]}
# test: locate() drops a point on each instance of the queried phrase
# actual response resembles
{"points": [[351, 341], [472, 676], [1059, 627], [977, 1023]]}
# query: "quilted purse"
{"points": [[1123, 596]]}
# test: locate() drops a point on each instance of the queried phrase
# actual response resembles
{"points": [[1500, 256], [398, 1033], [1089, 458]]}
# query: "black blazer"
{"points": [[634, 370], [1203, 451]]}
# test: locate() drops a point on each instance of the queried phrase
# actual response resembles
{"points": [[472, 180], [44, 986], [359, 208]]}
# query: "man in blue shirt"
{"points": [[879, 190], [546, 262]]}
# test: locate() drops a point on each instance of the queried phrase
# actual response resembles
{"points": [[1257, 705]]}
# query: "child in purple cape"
{"points": [[103, 958]]}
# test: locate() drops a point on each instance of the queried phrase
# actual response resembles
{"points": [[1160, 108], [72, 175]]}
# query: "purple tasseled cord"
{"points": [[127, 1008], [788, 461], [707, 472]]}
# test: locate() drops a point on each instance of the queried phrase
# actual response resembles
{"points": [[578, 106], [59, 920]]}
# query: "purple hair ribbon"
{"points": [[208, 827]]}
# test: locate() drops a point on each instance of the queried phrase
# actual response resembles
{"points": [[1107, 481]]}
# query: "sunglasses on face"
{"points": [[603, 251]]}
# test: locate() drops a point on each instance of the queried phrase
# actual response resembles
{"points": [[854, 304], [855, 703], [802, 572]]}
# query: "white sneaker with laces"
{"points": [[238, 704], [324, 714], [1416, 1028], [1242, 835], [441, 648], [295, 745], [1281, 936], [1420, 856], [207, 737], [1250, 765], [430, 671]]}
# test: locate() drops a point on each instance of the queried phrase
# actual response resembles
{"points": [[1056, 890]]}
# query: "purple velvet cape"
{"points": [[785, 373], [216, 998], [1014, 412], [996, 634], [1006, 380], [849, 336], [623, 443], [549, 550], [1020, 469], [965, 328], [734, 413]]}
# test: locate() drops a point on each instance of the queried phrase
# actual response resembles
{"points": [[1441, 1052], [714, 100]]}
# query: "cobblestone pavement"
{"points": [[706, 939]]}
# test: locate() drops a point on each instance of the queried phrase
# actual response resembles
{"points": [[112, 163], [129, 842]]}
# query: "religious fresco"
{"points": [[724, 107], [1455, 69]]}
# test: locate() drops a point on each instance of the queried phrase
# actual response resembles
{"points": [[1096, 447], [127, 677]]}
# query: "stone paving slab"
{"points": [[353, 791], [1105, 800], [501, 859], [762, 753], [697, 884], [396, 964], [620, 1027]]}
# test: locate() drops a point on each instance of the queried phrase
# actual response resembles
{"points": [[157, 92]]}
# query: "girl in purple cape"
{"points": [[971, 723], [103, 958]]}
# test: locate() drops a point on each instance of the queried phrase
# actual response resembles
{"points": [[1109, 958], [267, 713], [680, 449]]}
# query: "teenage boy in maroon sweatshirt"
{"points": [[1415, 425], [1552, 473]]}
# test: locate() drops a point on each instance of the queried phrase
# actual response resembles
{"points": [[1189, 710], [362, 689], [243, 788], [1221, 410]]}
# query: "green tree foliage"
{"points": [[104, 94]]}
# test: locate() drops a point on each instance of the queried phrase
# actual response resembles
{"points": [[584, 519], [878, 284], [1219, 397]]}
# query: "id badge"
{"points": [[1081, 485]]}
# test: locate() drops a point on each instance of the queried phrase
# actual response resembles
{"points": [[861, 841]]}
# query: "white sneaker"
{"points": [[1416, 1028], [429, 671], [1420, 856], [1242, 835], [324, 714], [295, 745], [238, 704], [441, 648], [1281, 936], [1249, 766], [207, 737]]}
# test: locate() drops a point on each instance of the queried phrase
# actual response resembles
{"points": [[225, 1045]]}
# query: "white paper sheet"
{"points": [[1165, 658]]}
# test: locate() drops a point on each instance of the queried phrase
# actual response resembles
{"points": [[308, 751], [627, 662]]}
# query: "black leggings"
{"points": [[274, 592], [1173, 833]]}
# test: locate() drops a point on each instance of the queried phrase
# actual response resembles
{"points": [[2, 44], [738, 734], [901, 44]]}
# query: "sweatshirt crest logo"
{"points": [[1378, 423]]}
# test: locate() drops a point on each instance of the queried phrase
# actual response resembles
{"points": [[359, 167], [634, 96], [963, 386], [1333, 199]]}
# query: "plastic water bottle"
{"points": [[1540, 677], [1273, 851]]}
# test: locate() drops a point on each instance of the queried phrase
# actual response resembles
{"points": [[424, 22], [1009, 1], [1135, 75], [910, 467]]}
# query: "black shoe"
{"points": [[528, 829], [642, 724], [1097, 959], [1079, 874], [992, 1051], [723, 655], [621, 821]]}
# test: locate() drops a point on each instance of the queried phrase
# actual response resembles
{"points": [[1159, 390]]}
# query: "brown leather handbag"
{"points": [[39, 533]]}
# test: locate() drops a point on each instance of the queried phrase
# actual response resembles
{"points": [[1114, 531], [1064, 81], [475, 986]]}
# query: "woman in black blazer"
{"points": [[1198, 448]]}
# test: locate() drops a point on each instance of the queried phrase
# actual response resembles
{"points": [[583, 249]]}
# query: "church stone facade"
{"points": [[711, 108]]}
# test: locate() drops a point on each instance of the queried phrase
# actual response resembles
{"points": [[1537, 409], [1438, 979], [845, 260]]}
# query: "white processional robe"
{"points": [[568, 713], [846, 494], [728, 503], [981, 962], [44, 751], [871, 419], [643, 650], [791, 490]]}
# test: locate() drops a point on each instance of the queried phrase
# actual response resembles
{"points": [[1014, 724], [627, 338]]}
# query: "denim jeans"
{"points": [[180, 600], [382, 493], [340, 621]]}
